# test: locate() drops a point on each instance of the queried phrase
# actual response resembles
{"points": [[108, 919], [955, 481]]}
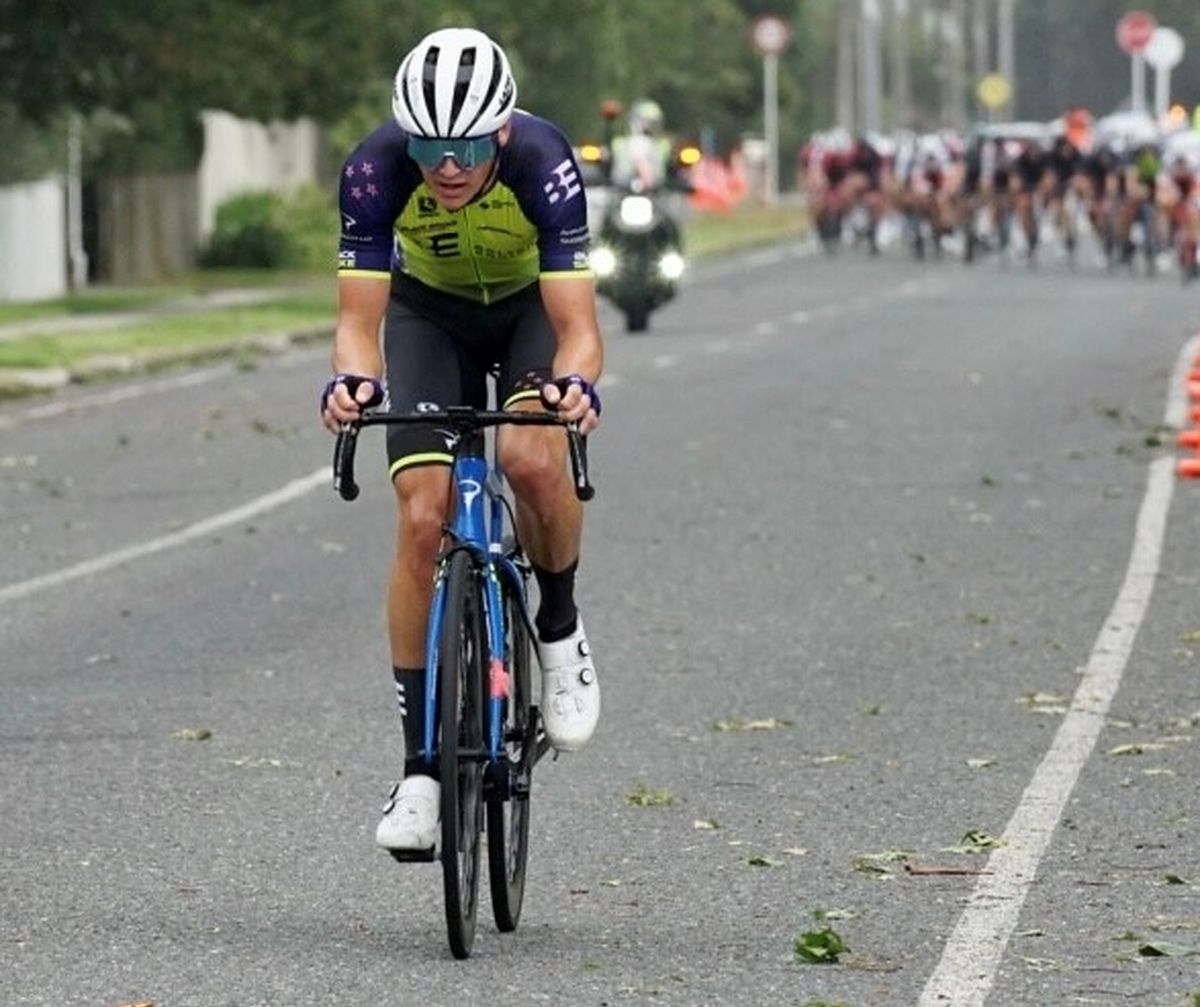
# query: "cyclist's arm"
{"points": [[362, 301], [570, 303]]}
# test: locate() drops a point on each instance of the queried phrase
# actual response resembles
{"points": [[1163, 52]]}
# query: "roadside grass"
{"points": [[142, 341], [101, 300], [307, 301], [746, 226]]}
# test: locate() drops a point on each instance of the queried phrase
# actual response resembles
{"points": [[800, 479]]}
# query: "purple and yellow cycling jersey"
{"points": [[530, 223]]}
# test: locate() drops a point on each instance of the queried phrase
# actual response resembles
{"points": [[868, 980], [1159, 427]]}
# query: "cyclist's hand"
{"points": [[346, 396], [574, 398]]}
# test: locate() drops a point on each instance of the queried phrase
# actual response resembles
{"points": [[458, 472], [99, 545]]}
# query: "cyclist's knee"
{"points": [[421, 495], [534, 464]]}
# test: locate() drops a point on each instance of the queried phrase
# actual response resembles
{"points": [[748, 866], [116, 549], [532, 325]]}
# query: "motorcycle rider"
{"points": [[642, 175], [641, 158]]}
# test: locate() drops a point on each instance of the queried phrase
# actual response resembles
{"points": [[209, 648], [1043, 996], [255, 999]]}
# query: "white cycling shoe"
{"points": [[411, 816], [570, 690]]}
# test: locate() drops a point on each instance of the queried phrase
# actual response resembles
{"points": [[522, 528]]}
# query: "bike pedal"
{"points": [[415, 856]]}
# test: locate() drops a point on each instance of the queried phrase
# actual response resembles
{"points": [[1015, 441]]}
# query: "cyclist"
{"points": [[865, 185], [1064, 166], [1184, 218], [464, 233], [1029, 168]]}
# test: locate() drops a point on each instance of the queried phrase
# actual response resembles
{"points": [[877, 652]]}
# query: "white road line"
{"points": [[294, 490], [967, 970]]}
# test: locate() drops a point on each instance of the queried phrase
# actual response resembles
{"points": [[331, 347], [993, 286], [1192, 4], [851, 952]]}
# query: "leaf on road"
{"points": [[761, 861], [705, 825], [975, 841], [742, 724], [1137, 748], [643, 797], [875, 865], [1044, 702], [980, 763], [192, 734], [1165, 949], [827, 915], [819, 947], [1040, 964], [833, 760], [18, 461]]}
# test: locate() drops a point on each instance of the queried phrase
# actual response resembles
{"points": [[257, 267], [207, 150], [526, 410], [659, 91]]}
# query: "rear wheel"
{"points": [[508, 820], [460, 758]]}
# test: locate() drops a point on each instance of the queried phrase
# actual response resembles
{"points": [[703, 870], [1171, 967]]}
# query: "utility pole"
{"points": [[869, 67], [981, 49], [847, 29], [1006, 46], [954, 35], [77, 259], [902, 116]]}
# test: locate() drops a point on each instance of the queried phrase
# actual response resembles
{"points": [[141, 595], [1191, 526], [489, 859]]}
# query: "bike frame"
{"points": [[478, 526]]}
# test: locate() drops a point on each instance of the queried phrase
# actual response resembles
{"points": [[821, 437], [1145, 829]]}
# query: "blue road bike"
{"points": [[483, 731]]}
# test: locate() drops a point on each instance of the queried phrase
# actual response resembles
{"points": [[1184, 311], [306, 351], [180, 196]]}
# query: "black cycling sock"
{"points": [[410, 698], [556, 612]]}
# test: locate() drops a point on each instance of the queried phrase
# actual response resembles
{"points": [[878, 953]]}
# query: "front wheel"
{"points": [[460, 758], [637, 317], [508, 814]]}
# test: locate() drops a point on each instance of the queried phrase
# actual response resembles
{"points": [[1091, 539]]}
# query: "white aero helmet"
{"points": [[455, 83]]}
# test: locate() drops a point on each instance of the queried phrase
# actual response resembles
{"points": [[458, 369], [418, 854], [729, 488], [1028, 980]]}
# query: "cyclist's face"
{"points": [[454, 186]]}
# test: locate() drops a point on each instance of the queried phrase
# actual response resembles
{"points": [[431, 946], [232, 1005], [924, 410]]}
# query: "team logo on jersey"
{"points": [[444, 245], [565, 184], [347, 260], [426, 206]]}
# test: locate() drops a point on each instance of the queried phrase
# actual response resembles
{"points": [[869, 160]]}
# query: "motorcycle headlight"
{"points": [[671, 266], [637, 211], [603, 261]]}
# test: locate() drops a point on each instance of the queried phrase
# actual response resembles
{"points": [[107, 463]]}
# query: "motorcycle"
{"points": [[638, 258]]}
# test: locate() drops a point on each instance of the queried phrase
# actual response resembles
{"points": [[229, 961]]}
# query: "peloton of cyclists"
{"points": [[1136, 191]]}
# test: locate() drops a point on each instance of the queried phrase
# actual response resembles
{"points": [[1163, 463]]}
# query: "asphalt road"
{"points": [[864, 588]]}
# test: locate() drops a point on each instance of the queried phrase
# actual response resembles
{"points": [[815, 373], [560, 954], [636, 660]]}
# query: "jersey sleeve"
{"points": [[545, 178], [376, 181]]}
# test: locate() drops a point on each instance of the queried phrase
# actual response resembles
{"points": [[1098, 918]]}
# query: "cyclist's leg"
{"points": [[424, 365], [550, 526], [426, 368]]}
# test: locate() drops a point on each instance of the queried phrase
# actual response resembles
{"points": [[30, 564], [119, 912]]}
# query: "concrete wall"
{"points": [[245, 156], [33, 240], [150, 226]]}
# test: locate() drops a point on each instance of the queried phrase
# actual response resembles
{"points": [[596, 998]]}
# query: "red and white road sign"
{"points": [[770, 34], [1134, 31]]}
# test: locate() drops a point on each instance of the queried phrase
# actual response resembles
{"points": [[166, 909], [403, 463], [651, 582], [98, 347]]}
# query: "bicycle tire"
{"points": [[508, 819], [460, 757]]}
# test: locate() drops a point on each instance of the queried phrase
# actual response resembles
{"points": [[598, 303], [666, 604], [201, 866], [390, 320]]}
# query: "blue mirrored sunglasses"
{"points": [[466, 152]]}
